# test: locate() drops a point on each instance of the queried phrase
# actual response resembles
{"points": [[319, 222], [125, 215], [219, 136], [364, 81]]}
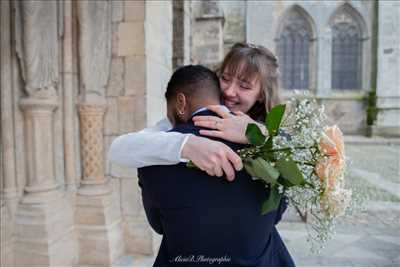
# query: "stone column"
{"points": [[38, 115], [44, 219], [97, 216], [323, 66], [9, 185], [208, 34], [69, 77], [8, 178], [388, 90], [178, 33], [181, 33], [91, 136]]}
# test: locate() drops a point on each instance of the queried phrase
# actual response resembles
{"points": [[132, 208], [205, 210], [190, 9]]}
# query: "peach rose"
{"points": [[331, 143], [330, 167]]}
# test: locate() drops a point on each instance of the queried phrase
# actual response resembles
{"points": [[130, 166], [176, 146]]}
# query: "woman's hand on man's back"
{"points": [[229, 127]]}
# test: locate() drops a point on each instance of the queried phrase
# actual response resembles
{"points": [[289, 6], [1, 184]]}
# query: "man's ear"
{"points": [[181, 102]]}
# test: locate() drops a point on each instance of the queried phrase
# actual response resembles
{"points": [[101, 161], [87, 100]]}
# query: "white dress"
{"points": [[150, 146]]}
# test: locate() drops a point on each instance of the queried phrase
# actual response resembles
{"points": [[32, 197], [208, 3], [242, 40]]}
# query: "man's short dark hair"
{"points": [[193, 81]]}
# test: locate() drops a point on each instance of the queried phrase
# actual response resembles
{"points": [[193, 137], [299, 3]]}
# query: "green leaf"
{"points": [[284, 182], [249, 168], [274, 119], [269, 156], [261, 168], [290, 171], [272, 202], [268, 144], [266, 150], [190, 164], [254, 134]]}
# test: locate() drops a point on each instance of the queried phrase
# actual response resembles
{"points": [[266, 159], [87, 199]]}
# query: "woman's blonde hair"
{"points": [[248, 61]]}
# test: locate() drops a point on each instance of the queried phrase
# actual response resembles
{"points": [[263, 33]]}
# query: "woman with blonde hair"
{"points": [[249, 85]]}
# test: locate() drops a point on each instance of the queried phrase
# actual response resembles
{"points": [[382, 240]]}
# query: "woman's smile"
{"points": [[231, 104]]}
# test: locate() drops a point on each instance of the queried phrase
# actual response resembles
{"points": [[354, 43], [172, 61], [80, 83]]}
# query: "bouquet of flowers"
{"points": [[303, 159]]}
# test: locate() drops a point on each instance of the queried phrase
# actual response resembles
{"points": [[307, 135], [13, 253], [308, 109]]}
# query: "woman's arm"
{"points": [[144, 148], [150, 146], [154, 146]]}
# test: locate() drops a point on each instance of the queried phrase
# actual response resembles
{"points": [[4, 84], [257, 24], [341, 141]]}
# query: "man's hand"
{"points": [[211, 156]]}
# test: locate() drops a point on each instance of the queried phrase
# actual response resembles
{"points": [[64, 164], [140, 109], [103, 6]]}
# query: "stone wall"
{"points": [[104, 75], [207, 33], [388, 89], [140, 71], [344, 107], [217, 25], [235, 22]]}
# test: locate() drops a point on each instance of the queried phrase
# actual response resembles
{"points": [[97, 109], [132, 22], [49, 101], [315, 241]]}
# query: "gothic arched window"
{"points": [[294, 51], [346, 52]]}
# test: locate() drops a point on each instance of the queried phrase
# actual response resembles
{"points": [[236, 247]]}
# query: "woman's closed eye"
{"points": [[225, 78], [245, 86]]}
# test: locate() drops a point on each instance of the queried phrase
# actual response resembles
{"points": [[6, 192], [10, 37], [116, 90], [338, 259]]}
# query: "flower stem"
{"points": [[287, 149]]}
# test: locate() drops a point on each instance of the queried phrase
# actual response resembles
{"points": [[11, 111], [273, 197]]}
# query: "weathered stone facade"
{"points": [[235, 22], [74, 75], [207, 30], [347, 108]]}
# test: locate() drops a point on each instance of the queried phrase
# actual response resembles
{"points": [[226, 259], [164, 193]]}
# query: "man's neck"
{"points": [[202, 104]]}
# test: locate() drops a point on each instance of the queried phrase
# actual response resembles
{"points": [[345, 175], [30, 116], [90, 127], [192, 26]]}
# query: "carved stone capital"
{"points": [[92, 109], [32, 105]]}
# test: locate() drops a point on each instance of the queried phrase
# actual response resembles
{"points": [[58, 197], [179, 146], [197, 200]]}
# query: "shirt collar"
{"points": [[204, 108]]}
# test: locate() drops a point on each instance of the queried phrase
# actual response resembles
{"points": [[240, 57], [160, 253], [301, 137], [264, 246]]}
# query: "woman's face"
{"points": [[238, 93]]}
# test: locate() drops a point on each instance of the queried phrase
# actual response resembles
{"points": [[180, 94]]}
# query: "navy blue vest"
{"points": [[207, 220]]}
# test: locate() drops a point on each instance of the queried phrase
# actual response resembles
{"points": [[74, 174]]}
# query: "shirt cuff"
{"points": [[180, 149]]}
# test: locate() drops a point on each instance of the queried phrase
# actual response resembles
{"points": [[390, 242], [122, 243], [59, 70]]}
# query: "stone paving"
{"points": [[368, 239]]}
